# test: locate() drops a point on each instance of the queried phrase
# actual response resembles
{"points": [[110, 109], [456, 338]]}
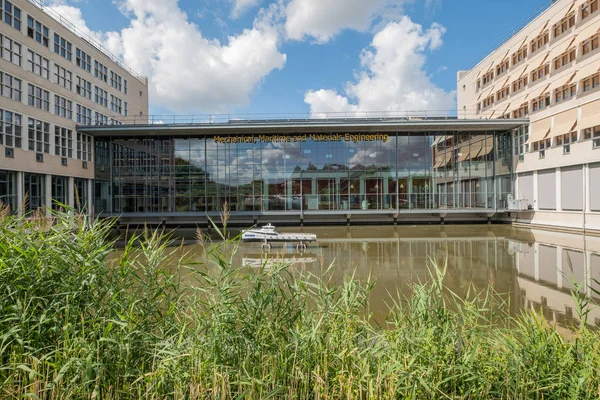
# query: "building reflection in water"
{"points": [[528, 268]]}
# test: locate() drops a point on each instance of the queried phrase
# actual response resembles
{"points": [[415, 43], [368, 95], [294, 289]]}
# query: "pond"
{"points": [[529, 268]]}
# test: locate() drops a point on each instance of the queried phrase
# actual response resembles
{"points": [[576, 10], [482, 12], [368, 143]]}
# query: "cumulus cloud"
{"points": [[241, 6], [187, 71], [392, 76], [323, 19], [110, 41]]}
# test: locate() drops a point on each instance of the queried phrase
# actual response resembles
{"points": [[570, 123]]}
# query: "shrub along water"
{"points": [[78, 322]]}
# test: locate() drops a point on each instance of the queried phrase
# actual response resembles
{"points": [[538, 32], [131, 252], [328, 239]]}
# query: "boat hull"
{"points": [[257, 237]]}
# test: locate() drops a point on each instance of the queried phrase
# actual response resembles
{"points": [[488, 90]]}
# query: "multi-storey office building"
{"points": [[337, 171], [52, 78], [548, 72]]}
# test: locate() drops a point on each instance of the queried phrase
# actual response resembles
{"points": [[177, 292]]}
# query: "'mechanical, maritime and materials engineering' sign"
{"points": [[314, 137]]}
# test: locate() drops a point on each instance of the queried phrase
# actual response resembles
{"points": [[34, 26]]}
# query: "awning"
{"points": [[590, 115], [588, 70], [488, 148], [587, 32], [463, 153], [556, 84], [560, 50], [564, 122], [539, 130], [541, 92]]}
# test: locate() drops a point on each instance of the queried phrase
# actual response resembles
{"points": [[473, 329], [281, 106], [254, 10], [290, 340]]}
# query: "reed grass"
{"points": [[76, 322]]}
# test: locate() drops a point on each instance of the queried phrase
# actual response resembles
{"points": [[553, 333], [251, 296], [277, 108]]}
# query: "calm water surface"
{"points": [[531, 268]]}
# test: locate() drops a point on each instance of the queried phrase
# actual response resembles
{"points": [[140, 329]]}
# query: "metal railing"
{"points": [[91, 41], [258, 118]]}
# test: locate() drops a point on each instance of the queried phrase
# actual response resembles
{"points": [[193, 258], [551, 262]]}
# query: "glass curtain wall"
{"points": [[8, 190], [307, 172]]}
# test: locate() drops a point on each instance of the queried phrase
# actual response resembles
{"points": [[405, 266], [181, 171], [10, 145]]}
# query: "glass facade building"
{"points": [[313, 171]]}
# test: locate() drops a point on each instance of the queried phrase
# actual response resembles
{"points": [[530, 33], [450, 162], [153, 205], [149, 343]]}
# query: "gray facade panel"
{"points": [[548, 264], [595, 187], [526, 187], [572, 188], [547, 190]]}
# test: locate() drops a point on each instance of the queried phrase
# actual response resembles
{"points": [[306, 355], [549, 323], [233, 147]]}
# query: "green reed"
{"points": [[78, 321]]}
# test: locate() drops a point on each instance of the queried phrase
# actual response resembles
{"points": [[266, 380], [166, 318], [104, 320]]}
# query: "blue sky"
{"points": [[299, 56]]}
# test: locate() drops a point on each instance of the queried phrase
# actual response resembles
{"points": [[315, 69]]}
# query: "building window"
{"points": [[519, 84], [84, 88], [566, 58], [35, 188], [540, 41], [588, 8], [565, 93], [39, 136], [10, 86], [487, 78], [116, 104], [60, 191], [63, 77], [564, 25], [10, 50], [488, 102], [38, 98], [522, 111], [63, 142], [125, 108], [100, 71], [591, 82], [84, 147], [540, 72], [37, 31], [116, 82], [124, 86], [591, 44], [84, 115], [83, 60], [62, 47], [503, 93], [100, 119], [520, 140], [63, 107], [595, 133], [519, 55], [10, 14], [502, 67], [10, 128], [101, 96], [38, 64], [540, 103]]}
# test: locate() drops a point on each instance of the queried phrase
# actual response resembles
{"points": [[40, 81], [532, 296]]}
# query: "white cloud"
{"points": [[188, 72], [323, 19], [241, 6], [392, 77]]}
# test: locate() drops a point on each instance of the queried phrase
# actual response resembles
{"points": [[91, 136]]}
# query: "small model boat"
{"points": [[268, 234]]}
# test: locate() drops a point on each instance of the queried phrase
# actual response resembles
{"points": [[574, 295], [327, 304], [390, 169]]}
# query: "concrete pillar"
{"points": [[586, 187], [536, 261], [90, 198], [558, 189], [48, 193], [71, 192], [589, 279], [535, 191], [20, 192], [559, 267]]}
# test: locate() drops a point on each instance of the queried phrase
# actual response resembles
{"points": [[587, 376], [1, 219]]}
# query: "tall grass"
{"points": [[78, 322]]}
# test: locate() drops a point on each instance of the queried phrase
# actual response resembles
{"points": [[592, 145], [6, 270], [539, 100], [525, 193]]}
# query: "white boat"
{"points": [[269, 262], [267, 234]]}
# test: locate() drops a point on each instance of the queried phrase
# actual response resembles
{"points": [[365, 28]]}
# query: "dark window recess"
{"points": [[63, 161], [9, 152], [84, 164], [39, 157]]}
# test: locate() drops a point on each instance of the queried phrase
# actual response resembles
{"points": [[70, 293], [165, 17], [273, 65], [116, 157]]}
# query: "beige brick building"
{"points": [[549, 71], [53, 78]]}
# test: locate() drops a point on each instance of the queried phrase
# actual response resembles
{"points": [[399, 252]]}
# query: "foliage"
{"points": [[78, 321]]}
